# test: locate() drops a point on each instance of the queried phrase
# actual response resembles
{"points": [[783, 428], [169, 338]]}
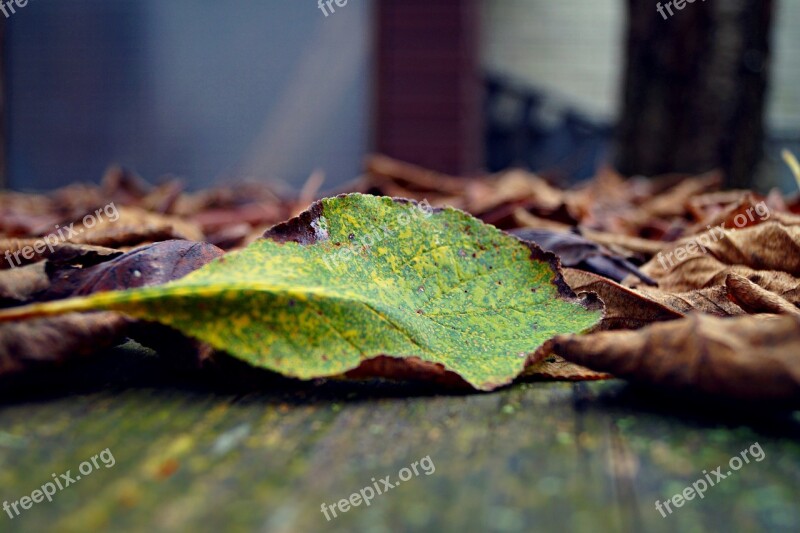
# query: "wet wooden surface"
{"points": [[534, 457]]}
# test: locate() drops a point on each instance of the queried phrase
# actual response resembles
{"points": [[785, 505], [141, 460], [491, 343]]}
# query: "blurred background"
{"points": [[273, 89]]}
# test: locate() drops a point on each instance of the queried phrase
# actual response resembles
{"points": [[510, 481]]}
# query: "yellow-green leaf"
{"points": [[357, 277]]}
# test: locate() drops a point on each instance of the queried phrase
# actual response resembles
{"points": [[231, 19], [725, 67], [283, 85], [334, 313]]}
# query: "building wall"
{"points": [[784, 100], [204, 89], [571, 48], [574, 48]]}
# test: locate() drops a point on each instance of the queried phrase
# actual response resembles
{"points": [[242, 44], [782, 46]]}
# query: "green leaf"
{"points": [[357, 277]]}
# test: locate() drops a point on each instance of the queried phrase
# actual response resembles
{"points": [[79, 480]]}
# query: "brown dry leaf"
{"points": [[20, 252], [479, 196], [673, 202], [55, 340], [750, 358], [230, 197], [514, 186], [232, 236], [684, 266], [152, 264], [22, 215], [74, 201], [786, 219], [639, 208], [135, 226], [732, 216], [754, 299], [645, 247], [556, 368], [711, 301], [592, 202], [625, 308], [408, 369], [123, 186], [382, 171], [706, 272], [18, 285], [257, 214], [33, 343], [81, 254], [524, 219], [632, 309], [702, 205], [163, 198], [780, 283], [767, 246]]}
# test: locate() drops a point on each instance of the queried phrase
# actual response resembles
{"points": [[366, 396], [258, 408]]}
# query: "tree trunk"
{"points": [[694, 88]]}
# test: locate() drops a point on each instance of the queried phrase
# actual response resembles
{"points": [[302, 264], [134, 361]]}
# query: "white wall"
{"points": [[574, 48], [569, 47], [204, 89], [784, 99]]}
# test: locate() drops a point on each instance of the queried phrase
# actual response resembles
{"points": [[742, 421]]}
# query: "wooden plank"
{"points": [[534, 457]]}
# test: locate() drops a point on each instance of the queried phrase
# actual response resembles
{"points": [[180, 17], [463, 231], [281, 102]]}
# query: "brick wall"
{"points": [[428, 99]]}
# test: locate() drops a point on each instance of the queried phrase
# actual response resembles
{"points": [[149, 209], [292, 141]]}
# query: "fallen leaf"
{"points": [[514, 186], [233, 236], [163, 198], [707, 272], [767, 246], [358, 277], [132, 226], [382, 169], [527, 220], [408, 369], [637, 245], [46, 341], [20, 252], [123, 186], [747, 358], [263, 214], [152, 264], [754, 299], [18, 285], [84, 255], [624, 308], [743, 212], [577, 252], [556, 368], [711, 301], [673, 202]]}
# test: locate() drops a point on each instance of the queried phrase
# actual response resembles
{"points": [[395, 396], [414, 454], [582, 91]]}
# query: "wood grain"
{"points": [[196, 456]]}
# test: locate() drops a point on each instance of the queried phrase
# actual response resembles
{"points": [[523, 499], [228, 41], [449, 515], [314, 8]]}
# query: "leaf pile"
{"points": [[700, 285], [723, 263], [359, 277]]}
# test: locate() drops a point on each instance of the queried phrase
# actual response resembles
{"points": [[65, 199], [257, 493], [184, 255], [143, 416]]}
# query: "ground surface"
{"points": [[534, 457]]}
